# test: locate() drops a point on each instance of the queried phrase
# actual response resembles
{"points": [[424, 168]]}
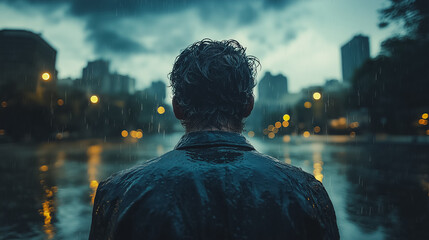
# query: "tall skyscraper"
{"points": [[26, 60], [353, 54]]}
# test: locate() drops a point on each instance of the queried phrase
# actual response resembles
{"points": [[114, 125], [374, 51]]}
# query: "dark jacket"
{"points": [[213, 185]]}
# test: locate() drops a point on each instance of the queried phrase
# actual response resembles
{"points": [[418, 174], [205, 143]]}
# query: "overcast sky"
{"points": [[298, 38]]}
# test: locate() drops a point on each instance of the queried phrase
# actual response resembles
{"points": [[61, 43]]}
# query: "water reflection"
{"points": [[379, 191], [48, 202], [385, 190], [93, 153], [317, 166]]}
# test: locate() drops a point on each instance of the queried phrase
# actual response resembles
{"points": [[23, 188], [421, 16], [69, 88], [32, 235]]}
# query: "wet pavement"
{"points": [[379, 191]]}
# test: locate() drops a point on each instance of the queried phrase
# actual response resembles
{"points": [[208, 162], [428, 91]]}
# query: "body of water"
{"points": [[379, 191]]}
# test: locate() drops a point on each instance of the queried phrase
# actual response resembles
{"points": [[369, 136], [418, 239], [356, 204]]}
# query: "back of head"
{"points": [[212, 83]]}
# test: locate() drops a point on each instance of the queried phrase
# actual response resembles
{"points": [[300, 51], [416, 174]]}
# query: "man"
{"points": [[214, 184]]}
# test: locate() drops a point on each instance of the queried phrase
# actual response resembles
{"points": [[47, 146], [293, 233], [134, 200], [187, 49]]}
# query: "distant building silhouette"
{"points": [[333, 85], [353, 54], [157, 91], [272, 87], [96, 77], [121, 84], [27, 60]]}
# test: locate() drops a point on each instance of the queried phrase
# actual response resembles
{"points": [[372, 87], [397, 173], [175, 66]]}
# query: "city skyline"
{"points": [[290, 38]]}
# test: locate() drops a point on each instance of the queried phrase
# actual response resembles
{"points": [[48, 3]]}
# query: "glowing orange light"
{"points": [[139, 134], [46, 76], [353, 134], [317, 95], [2, 132], [270, 127], [342, 120], [425, 116], [251, 134], [59, 136], [93, 184], [94, 99], [271, 135], [316, 129], [124, 133], [306, 134], [161, 110], [285, 124], [286, 138], [60, 102], [275, 130], [307, 104], [94, 150], [4, 104], [278, 125], [427, 132], [44, 168], [286, 117], [423, 122], [354, 125], [133, 134]]}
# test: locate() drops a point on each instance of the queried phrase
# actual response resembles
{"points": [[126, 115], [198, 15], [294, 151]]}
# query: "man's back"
{"points": [[214, 185]]}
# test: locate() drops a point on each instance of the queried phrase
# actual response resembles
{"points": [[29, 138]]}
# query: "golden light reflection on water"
{"points": [[93, 153], [61, 157], [159, 150], [317, 166], [47, 211], [48, 203]]}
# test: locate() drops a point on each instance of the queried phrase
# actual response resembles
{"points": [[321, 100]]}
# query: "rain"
{"points": [[341, 93]]}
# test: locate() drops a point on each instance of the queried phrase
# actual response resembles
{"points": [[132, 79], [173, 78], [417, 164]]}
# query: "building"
{"points": [[272, 87], [353, 54], [158, 90], [96, 78], [120, 84], [27, 61]]}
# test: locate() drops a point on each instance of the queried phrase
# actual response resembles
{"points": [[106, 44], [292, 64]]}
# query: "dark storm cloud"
{"points": [[248, 15], [101, 13], [109, 41]]}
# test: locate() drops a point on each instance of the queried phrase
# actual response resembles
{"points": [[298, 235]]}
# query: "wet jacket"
{"points": [[213, 185]]}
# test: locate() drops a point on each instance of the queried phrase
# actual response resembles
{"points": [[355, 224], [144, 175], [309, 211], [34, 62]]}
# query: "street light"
{"points": [[317, 95], [161, 110], [94, 99], [46, 76], [286, 117], [307, 104]]}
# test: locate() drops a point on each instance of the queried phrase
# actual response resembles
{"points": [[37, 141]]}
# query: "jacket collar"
{"points": [[212, 138]]}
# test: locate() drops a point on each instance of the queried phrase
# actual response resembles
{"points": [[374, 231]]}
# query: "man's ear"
{"points": [[249, 107], [178, 111]]}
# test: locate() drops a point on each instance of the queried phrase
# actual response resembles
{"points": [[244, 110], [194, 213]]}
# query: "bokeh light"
{"points": [[94, 99]]}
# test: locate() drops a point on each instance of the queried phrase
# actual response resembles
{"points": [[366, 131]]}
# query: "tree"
{"points": [[413, 15], [394, 85]]}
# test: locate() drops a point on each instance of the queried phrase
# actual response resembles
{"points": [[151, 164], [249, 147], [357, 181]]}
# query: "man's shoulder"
{"points": [[150, 169], [265, 162], [176, 164]]}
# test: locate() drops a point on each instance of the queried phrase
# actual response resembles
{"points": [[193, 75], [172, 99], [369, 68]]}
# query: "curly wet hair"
{"points": [[212, 82]]}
